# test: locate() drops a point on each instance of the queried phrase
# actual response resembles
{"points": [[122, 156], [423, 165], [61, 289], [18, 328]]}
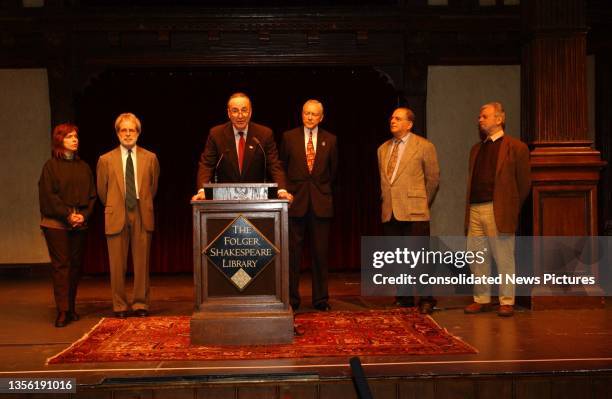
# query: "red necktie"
{"points": [[241, 144]]}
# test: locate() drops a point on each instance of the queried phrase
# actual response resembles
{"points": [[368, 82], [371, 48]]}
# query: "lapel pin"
{"points": [[323, 143], [250, 147]]}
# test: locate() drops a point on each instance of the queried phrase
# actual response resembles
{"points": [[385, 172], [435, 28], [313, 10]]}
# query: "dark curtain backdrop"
{"points": [[177, 108]]}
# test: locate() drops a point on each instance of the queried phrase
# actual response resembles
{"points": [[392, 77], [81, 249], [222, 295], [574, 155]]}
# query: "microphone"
{"points": [[256, 140], [218, 162]]}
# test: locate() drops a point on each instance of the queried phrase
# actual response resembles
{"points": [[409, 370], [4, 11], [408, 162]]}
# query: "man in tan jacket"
{"points": [[498, 183], [409, 178], [127, 184]]}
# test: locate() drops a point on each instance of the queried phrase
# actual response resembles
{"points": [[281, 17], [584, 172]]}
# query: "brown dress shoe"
{"points": [[62, 319], [505, 310], [475, 307]]}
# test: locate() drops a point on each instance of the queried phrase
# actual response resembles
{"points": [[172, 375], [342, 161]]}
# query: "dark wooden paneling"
{"points": [[299, 391], [303, 35], [255, 392], [216, 393], [455, 388], [91, 394], [601, 387], [564, 177], [135, 394], [384, 390], [499, 388], [36, 396], [573, 387], [503, 386], [537, 388], [344, 390], [187, 393], [565, 213], [416, 389]]}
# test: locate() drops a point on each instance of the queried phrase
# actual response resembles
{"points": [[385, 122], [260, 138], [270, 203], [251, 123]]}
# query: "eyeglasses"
{"points": [[236, 111]]}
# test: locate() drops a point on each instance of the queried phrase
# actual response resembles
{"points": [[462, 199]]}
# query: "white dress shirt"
{"points": [[495, 136]]}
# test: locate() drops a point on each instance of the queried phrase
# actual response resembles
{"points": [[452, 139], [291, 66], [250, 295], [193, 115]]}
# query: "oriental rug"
{"points": [[339, 333]]}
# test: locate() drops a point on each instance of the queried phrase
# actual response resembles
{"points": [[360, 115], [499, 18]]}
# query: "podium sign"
{"points": [[240, 252], [241, 271]]}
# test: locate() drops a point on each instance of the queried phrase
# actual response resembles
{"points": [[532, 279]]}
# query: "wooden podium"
{"points": [[241, 267]]}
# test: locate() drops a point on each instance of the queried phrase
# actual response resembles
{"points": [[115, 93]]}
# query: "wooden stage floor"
{"points": [[549, 353]]}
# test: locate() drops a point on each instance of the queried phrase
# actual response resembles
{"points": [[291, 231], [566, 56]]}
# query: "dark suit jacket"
{"points": [[111, 188], [512, 183], [315, 188], [221, 142]]}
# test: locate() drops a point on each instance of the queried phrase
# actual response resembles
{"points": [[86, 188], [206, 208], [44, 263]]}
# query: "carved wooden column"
{"points": [[565, 166], [603, 133]]}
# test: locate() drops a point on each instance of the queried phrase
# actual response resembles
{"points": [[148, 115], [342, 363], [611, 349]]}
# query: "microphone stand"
{"points": [[217, 165], [265, 158]]}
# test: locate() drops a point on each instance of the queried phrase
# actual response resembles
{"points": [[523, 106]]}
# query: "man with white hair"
{"points": [[310, 156], [498, 184]]}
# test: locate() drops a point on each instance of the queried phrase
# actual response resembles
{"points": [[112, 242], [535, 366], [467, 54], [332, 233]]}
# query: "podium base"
{"points": [[242, 328]]}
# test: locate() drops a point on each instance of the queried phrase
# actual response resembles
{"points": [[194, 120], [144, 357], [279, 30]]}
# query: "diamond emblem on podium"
{"points": [[241, 279], [241, 252]]}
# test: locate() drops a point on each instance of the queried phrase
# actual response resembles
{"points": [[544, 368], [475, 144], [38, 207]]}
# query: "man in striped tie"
{"points": [[409, 178], [310, 156], [127, 184]]}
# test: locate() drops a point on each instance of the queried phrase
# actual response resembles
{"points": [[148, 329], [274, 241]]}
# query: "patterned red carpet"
{"points": [[343, 333]]}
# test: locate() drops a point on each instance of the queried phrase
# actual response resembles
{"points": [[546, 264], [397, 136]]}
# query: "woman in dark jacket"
{"points": [[67, 196]]}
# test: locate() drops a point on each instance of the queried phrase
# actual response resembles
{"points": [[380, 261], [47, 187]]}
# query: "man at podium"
{"points": [[240, 151]]}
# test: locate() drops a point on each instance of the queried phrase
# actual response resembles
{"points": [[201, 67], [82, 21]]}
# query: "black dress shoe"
{"points": [[141, 312], [426, 307], [62, 319], [121, 314], [404, 301], [323, 307]]}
